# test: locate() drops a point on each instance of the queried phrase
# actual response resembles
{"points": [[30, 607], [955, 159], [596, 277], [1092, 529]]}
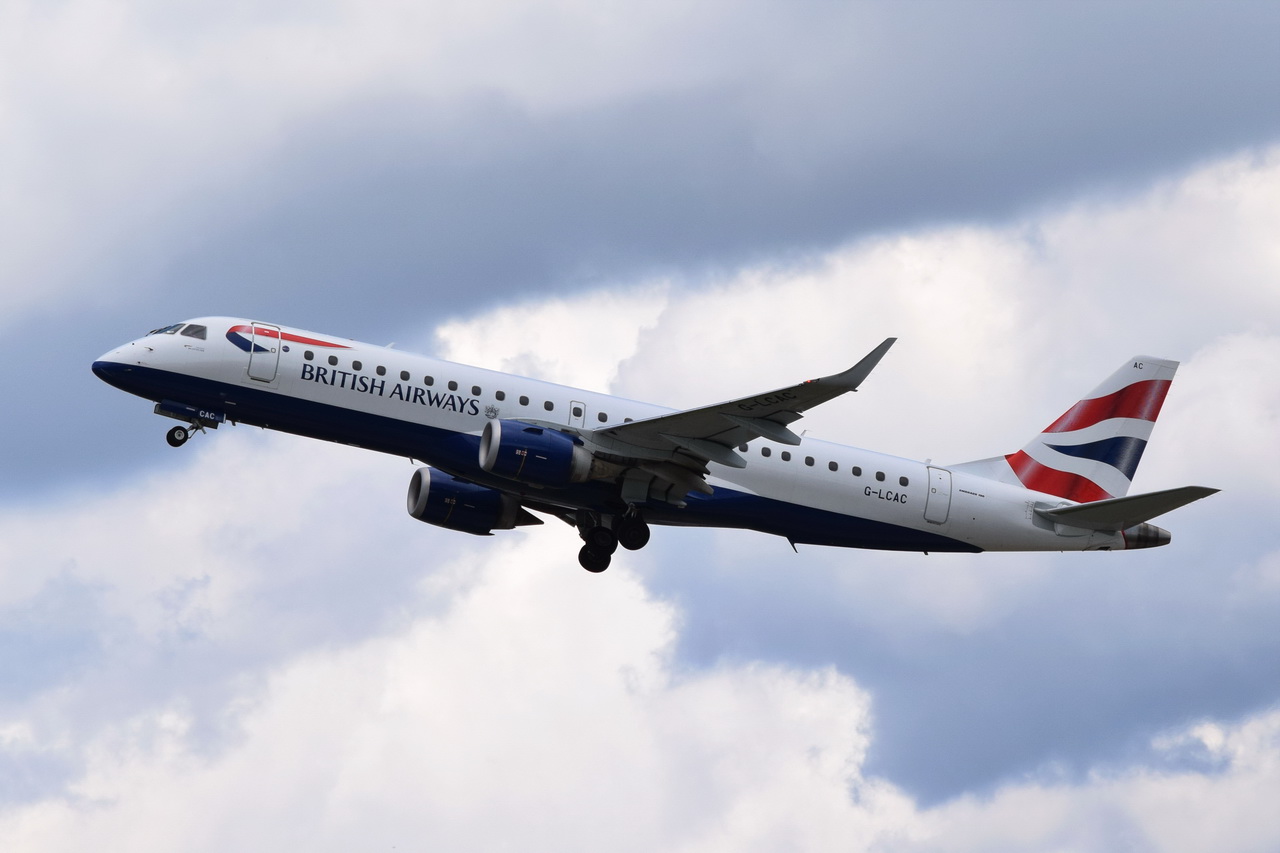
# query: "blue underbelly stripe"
{"points": [[457, 453]]}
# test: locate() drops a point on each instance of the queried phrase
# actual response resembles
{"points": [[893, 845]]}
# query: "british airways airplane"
{"points": [[496, 446]]}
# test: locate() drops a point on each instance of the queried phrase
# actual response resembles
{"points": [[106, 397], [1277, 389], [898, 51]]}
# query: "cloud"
{"points": [[1060, 660], [320, 163], [255, 630], [506, 697], [574, 341], [1142, 808], [266, 150], [501, 680]]}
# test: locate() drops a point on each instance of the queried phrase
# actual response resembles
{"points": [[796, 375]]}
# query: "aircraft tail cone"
{"points": [[1145, 536]]}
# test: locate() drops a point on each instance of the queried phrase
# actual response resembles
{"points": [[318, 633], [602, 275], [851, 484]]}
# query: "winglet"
{"points": [[854, 376]]}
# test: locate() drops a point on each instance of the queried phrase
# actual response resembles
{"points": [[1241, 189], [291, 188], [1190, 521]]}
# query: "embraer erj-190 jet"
{"points": [[497, 446]]}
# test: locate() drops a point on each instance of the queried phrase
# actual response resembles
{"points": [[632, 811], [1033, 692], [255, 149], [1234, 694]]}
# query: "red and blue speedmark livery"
{"points": [[502, 450], [251, 338]]}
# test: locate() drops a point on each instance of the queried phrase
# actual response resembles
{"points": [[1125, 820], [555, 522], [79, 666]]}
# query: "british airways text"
{"points": [[378, 387]]}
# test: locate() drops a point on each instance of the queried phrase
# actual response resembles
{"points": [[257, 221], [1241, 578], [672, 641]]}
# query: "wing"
{"points": [[690, 439]]}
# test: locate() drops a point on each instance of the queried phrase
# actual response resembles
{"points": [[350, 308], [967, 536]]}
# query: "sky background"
{"points": [[247, 644]]}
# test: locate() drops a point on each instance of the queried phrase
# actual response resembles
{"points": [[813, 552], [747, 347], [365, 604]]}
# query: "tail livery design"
{"points": [[1092, 451]]}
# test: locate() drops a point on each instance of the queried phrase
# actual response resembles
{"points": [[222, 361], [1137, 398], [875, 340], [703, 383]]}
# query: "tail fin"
{"points": [[1093, 450]]}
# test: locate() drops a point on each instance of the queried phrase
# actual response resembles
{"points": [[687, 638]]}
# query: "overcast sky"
{"points": [[247, 644]]}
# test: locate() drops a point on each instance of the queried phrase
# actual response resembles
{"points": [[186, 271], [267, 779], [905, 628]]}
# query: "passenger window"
{"points": [[308, 355], [627, 420], [195, 331], [355, 365], [833, 466], [524, 401], [428, 380], [475, 390], [808, 460], [333, 360], [602, 417], [765, 452], [453, 386], [857, 471], [880, 476], [742, 448], [549, 406], [404, 376], [500, 395], [786, 456], [382, 371], [577, 411], [902, 481]]}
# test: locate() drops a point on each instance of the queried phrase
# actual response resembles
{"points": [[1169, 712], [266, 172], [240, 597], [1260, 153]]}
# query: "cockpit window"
{"points": [[167, 330], [193, 330]]}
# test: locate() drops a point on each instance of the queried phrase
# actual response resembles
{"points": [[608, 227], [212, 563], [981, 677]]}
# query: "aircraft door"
{"points": [[937, 505], [577, 414], [264, 352]]}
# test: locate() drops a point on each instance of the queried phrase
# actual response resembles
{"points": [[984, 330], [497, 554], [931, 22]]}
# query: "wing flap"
{"points": [[712, 451], [771, 430]]}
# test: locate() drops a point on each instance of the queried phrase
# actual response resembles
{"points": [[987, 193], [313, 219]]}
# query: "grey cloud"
{"points": [[851, 122], [1088, 665], [390, 212]]}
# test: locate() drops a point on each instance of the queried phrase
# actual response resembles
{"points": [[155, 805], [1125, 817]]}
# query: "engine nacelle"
{"points": [[532, 454], [439, 499]]}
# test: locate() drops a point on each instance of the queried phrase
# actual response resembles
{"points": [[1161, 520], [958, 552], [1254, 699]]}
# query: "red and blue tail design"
{"points": [[1093, 450]]}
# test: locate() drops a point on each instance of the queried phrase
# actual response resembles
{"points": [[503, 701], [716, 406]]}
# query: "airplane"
{"points": [[497, 448]]}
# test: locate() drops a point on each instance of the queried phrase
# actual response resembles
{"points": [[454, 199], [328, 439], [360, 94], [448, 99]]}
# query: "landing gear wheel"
{"points": [[601, 540], [633, 533], [592, 560], [177, 436]]}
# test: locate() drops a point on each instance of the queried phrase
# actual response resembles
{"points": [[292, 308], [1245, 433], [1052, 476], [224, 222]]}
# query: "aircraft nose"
{"points": [[104, 367], [109, 371], [113, 367]]}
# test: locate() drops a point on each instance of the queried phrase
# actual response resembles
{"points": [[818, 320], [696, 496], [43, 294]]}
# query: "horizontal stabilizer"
{"points": [[1123, 513]]}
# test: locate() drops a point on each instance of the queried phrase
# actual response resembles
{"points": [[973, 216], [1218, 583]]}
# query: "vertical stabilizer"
{"points": [[1093, 450]]}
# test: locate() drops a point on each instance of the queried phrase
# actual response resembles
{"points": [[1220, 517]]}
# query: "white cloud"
{"points": [[344, 676], [574, 341], [1227, 402], [1001, 330], [1224, 809], [542, 708]]}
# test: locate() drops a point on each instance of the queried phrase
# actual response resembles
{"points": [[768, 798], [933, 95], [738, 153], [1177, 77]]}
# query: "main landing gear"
{"points": [[602, 538]]}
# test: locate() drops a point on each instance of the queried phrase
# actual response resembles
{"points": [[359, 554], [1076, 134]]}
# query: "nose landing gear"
{"points": [[193, 419], [177, 436]]}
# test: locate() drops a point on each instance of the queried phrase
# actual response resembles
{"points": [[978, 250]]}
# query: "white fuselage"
{"points": [[435, 411]]}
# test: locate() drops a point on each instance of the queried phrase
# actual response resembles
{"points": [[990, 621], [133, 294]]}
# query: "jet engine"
{"points": [[445, 501], [532, 454]]}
